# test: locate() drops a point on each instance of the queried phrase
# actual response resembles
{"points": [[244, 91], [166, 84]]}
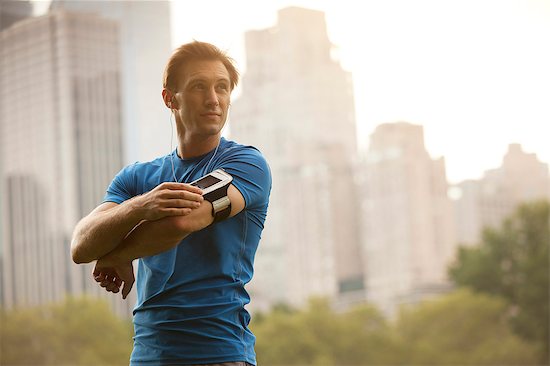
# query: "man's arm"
{"points": [[154, 237], [105, 227]]}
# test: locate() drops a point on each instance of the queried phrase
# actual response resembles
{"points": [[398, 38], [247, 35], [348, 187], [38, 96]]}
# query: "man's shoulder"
{"points": [[232, 148], [139, 167]]}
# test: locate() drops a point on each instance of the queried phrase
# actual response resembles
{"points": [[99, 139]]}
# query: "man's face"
{"points": [[203, 97]]}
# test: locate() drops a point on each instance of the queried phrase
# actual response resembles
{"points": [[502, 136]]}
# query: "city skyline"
{"points": [[55, 173], [472, 73], [312, 163]]}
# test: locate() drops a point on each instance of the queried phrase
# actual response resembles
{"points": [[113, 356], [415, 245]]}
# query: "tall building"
{"points": [[12, 11], [297, 107], [145, 46], [408, 232], [488, 201], [61, 144]]}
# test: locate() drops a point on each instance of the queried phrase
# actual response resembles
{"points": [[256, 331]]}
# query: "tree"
{"points": [[319, 336], [513, 262], [461, 328], [77, 332]]}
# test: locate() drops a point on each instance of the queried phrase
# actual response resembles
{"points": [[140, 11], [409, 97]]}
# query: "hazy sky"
{"points": [[474, 73]]}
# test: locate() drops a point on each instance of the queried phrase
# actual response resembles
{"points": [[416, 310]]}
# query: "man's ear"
{"points": [[169, 99]]}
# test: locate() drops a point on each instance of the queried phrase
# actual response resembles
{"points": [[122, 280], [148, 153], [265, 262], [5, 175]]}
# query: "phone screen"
{"points": [[206, 182]]}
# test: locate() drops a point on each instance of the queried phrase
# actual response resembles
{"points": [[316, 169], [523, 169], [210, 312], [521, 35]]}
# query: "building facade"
{"points": [[407, 222], [145, 46], [12, 11], [61, 144], [297, 107], [486, 202]]}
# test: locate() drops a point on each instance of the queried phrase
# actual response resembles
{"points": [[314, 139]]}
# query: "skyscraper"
{"points": [[297, 107], [12, 11], [61, 144], [486, 202], [408, 232], [145, 46]]}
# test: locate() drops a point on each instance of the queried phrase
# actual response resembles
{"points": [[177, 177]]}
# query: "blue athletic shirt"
{"points": [[191, 298]]}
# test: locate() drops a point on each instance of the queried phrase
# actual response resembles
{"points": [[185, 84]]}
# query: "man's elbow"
{"points": [[78, 256]]}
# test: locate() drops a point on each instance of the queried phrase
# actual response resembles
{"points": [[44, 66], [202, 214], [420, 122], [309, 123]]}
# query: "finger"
{"points": [[177, 212], [110, 284], [112, 287], [181, 195], [106, 281], [179, 187], [128, 284], [191, 188], [97, 272], [113, 290], [179, 203]]}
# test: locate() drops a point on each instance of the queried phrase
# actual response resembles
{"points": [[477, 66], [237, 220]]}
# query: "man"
{"points": [[194, 258]]}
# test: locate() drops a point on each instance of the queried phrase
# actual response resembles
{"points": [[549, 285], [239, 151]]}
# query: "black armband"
{"points": [[214, 186]]}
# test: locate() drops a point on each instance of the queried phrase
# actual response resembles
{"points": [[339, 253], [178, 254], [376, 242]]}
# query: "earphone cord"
{"points": [[171, 147]]}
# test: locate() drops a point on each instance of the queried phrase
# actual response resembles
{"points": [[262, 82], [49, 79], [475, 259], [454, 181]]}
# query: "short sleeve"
{"points": [[251, 175], [122, 187]]}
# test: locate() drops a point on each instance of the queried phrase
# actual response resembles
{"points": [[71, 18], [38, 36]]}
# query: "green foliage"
{"points": [[461, 328], [76, 332], [513, 262], [503, 321], [319, 336]]}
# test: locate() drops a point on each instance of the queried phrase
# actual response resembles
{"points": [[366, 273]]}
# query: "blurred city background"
{"points": [[408, 142]]}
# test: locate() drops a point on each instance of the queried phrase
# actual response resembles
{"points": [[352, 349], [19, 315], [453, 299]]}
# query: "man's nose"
{"points": [[212, 98]]}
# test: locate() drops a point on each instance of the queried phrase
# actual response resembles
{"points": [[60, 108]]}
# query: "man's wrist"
{"points": [[135, 212]]}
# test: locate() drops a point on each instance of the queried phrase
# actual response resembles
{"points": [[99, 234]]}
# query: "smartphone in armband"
{"points": [[214, 189]]}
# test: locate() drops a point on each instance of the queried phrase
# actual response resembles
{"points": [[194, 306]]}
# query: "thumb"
{"points": [[129, 280]]}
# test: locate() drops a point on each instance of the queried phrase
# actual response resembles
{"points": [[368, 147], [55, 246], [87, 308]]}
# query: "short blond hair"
{"points": [[194, 51]]}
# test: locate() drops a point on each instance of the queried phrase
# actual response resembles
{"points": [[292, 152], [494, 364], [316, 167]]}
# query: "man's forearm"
{"points": [[154, 237], [100, 232], [104, 228], [148, 238]]}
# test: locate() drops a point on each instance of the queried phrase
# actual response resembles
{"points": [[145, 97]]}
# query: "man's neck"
{"points": [[191, 148]]}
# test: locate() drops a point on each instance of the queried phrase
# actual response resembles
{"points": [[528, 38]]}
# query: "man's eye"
{"points": [[223, 87], [198, 86]]}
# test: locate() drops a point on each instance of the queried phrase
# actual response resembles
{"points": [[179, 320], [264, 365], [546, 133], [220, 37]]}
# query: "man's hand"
{"points": [[168, 199], [107, 225], [111, 275]]}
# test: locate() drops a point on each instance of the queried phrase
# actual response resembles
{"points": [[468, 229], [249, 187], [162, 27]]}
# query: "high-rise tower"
{"points": [[407, 225], [12, 11], [145, 46], [61, 144], [486, 202], [297, 107]]}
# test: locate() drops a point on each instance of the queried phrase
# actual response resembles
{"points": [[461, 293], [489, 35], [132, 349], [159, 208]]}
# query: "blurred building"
{"points": [[297, 107], [407, 220], [486, 202], [12, 11], [145, 46], [61, 144]]}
